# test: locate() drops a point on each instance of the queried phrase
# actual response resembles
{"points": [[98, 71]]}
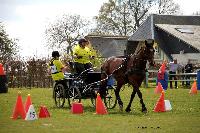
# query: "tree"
{"points": [[113, 19], [122, 17], [65, 31], [8, 46], [139, 10], [167, 7]]}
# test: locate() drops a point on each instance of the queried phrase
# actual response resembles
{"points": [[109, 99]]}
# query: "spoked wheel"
{"points": [[74, 95], [110, 98], [93, 100], [59, 95]]}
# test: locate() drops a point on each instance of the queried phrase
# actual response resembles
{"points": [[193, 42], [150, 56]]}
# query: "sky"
{"points": [[26, 19]]}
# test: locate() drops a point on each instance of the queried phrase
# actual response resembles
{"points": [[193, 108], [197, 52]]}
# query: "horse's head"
{"points": [[149, 51]]}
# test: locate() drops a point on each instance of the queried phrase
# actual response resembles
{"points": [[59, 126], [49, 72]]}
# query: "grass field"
{"points": [[183, 118]]}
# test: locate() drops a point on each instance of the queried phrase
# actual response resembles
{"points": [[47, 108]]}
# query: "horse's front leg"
{"points": [[144, 109], [118, 97], [128, 108]]}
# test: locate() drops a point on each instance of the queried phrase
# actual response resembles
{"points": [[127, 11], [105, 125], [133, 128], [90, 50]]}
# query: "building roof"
{"points": [[109, 45], [146, 30], [107, 36], [190, 34], [173, 33]]}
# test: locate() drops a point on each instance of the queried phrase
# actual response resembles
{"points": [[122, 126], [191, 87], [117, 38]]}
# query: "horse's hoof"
{"points": [[144, 110], [128, 110]]}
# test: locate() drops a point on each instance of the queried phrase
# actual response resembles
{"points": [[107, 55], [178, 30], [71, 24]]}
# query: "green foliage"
{"points": [[8, 46], [184, 116], [98, 60]]}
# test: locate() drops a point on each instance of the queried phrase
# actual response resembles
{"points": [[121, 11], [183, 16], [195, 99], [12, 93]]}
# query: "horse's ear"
{"points": [[149, 42]]}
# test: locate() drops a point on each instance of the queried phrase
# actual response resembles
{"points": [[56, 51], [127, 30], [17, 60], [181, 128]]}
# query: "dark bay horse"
{"points": [[130, 70]]}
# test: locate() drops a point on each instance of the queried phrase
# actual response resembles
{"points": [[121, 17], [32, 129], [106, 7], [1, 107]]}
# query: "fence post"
{"points": [[198, 79]]}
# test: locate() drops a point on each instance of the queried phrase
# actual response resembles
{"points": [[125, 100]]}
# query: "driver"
{"points": [[82, 55]]}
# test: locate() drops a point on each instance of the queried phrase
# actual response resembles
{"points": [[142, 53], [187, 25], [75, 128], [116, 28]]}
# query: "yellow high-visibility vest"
{"points": [[84, 52]]}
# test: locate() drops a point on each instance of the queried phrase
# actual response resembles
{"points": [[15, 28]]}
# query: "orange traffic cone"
{"points": [[160, 105], [27, 103], [194, 88], [43, 112], [19, 108], [158, 88], [100, 108], [163, 67]]}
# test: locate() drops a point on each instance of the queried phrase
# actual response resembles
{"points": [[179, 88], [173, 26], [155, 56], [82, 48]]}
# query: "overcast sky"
{"points": [[26, 19]]}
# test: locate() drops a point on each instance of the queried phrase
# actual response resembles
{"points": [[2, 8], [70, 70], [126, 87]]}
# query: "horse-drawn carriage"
{"points": [[84, 86], [130, 69]]}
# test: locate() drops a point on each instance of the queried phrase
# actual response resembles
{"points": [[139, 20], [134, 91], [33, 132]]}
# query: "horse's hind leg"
{"points": [[144, 109], [128, 108], [118, 97]]}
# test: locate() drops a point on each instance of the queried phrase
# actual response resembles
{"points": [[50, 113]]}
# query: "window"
{"points": [[185, 30]]}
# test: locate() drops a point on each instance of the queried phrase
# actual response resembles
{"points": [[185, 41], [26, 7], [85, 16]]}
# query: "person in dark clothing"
{"points": [[188, 69], [173, 67]]}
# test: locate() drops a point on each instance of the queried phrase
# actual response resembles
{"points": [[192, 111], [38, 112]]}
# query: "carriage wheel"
{"points": [[93, 101], [110, 98], [74, 95], [59, 95]]}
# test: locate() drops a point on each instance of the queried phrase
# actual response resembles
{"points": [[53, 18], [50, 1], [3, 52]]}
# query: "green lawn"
{"points": [[183, 118]]}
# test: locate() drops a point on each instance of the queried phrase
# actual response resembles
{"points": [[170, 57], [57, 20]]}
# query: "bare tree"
{"points": [[122, 17], [108, 20], [167, 7], [139, 10], [114, 19], [66, 30]]}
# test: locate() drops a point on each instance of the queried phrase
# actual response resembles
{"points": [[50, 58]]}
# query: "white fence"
{"points": [[182, 76]]}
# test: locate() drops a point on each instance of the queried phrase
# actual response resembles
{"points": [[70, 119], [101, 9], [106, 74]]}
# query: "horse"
{"points": [[130, 70]]}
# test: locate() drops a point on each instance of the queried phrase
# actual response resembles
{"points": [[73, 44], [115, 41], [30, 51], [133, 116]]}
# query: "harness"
{"points": [[134, 69]]}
